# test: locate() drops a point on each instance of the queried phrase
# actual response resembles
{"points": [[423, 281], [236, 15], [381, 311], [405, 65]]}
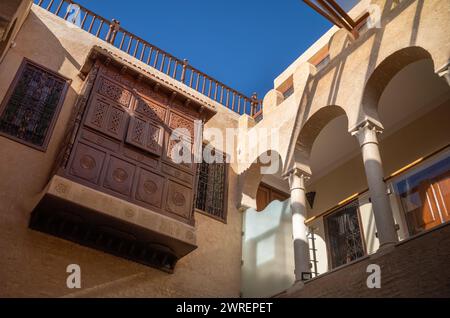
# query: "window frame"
{"points": [[225, 195], [55, 116], [271, 191], [429, 162], [328, 236]]}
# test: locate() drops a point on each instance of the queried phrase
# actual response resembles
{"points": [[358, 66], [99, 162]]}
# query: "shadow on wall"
{"points": [[46, 45], [378, 77], [389, 12], [269, 163], [53, 55], [267, 251], [36, 42]]}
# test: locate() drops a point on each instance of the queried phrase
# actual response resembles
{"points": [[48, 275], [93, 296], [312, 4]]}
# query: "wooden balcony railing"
{"points": [[113, 33]]}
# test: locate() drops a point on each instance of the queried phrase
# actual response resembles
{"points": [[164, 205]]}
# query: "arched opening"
{"points": [[412, 103], [314, 125], [267, 170], [267, 250], [385, 72], [337, 173]]}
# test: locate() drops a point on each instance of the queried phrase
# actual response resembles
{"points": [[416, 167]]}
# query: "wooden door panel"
{"points": [[266, 194], [114, 92], [184, 124], [279, 196], [140, 156], [87, 163], [101, 141], [179, 148], [150, 188], [107, 118], [262, 198], [97, 114], [149, 109], [119, 176], [145, 135], [180, 175], [426, 215], [117, 121], [179, 199]]}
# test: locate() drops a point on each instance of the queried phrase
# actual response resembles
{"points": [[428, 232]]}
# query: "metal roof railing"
{"points": [[180, 70]]}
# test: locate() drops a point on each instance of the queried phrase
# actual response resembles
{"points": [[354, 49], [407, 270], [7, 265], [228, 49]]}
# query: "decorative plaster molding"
{"points": [[366, 132]]}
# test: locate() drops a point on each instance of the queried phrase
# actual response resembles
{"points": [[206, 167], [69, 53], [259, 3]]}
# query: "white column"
{"points": [[384, 220], [299, 229]]}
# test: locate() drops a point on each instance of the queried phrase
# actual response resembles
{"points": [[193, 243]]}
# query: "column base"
{"points": [[383, 250], [298, 285]]}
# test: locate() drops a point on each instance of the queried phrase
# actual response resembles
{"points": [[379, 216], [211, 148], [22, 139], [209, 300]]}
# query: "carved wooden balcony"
{"points": [[116, 186]]}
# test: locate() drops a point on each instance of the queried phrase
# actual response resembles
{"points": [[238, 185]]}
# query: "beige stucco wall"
{"points": [[12, 15], [417, 25], [34, 264]]}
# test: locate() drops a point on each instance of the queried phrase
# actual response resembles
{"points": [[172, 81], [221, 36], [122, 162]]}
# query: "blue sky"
{"points": [[243, 43]]}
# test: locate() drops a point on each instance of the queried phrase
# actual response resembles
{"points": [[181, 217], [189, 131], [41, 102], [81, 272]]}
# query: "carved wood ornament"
{"points": [[123, 145]]}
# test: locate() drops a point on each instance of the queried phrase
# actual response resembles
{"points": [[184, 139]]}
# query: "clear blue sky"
{"points": [[243, 43]]}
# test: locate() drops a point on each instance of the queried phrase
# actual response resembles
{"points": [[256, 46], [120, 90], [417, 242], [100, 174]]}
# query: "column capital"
{"points": [[366, 132], [297, 178]]}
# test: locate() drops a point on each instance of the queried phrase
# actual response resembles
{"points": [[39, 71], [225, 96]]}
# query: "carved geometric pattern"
{"points": [[151, 110], [150, 188], [179, 199], [107, 118], [177, 121], [119, 176], [179, 148], [186, 110], [124, 139], [141, 88], [114, 92], [116, 119], [144, 135], [153, 138], [87, 163], [99, 113], [138, 133]]}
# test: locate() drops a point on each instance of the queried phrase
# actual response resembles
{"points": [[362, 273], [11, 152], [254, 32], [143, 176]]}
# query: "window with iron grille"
{"points": [[345, 235], [211, 193], [31, 105]]}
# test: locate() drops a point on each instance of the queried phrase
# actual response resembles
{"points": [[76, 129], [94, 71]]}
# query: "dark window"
{"points": [[31, 106], [211, 193], [323, 63], [288, 92], [344, 235]]}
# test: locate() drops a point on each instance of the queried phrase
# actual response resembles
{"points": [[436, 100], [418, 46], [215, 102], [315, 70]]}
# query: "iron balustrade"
{"points": [[180, 70]]}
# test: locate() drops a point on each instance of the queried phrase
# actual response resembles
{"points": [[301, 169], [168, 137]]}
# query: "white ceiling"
{"points": [[402, 102]]}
